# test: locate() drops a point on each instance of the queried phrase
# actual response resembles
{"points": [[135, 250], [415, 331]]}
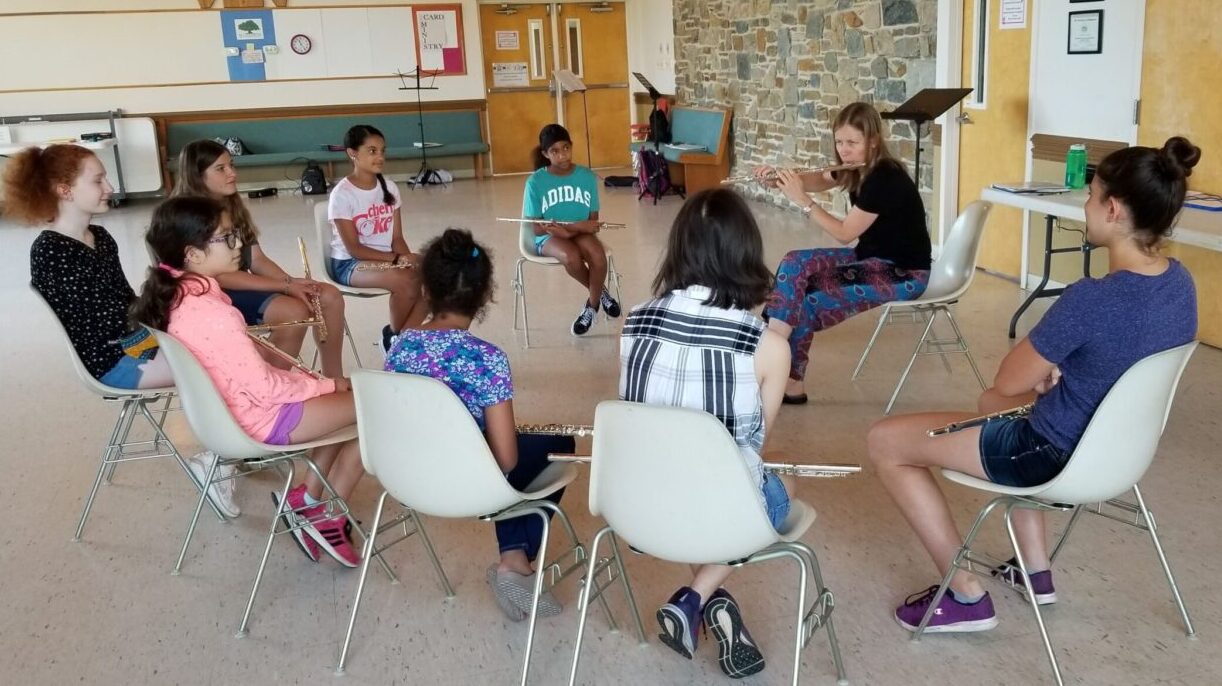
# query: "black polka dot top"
{"points": [[87, 290]]}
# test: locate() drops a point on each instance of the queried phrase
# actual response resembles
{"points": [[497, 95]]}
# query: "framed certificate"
{"points": [[1086, 32]]}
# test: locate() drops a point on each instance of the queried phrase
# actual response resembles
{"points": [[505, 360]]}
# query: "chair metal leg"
{"points": [[799, 642], [352, 344], [271, 538], [519, 295], [820, 589], [882, 321], [199, 505], [121, 423], [366, 556], [428, 548], [623, 575], [1073, 519], [1035, 606], [133, 407], [534, 604], [583, 600], [1162, 558], [330, 494], [904, 377], [963, 344]]}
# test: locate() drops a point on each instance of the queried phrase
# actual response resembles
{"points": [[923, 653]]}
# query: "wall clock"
{"points": [[301, 44]]}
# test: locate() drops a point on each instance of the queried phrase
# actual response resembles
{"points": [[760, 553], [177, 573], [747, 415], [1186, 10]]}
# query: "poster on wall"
{"points": [[1013, 14], [507, 40], [439, 39], [509, 75]]}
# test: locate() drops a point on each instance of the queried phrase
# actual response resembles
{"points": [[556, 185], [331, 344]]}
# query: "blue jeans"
{"points": [[125, 374], [341, 270], [526, 532]]}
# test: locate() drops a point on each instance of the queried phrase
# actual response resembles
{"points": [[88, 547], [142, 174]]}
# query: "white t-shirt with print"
{"points": [[374, 219]]}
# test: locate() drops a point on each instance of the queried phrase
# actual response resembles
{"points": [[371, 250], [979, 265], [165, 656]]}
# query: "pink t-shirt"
{"points": [[214, 331], [368, 211]]}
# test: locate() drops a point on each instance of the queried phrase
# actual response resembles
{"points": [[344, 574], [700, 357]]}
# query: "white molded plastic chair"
{"points": [[526, 246], [949, 278], [672, 482], [425, 448], [322, 271], [216, 428], [1113, 454], [134, 402]]}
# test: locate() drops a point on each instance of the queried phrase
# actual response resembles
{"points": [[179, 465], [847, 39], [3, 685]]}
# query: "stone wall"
{"points": [[787, 67]]}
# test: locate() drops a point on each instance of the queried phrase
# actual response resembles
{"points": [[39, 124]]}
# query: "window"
{"points": [[537, 62], [576, 54], [980, 54]]}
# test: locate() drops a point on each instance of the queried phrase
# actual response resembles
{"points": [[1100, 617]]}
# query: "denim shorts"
{"points": [[776, 499], [539, 241], [252, 304], [341, 270], [125, 374], [1014, 454]]}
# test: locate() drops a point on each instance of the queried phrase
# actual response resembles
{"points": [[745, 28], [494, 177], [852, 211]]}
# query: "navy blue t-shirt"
{"points": [[1096, 331]]}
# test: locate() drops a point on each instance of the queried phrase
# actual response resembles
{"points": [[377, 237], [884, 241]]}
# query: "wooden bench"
{"points": [[708, 128]]}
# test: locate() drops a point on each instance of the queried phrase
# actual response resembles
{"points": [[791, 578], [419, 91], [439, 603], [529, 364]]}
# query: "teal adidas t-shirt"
{"points": [[569, 198]]}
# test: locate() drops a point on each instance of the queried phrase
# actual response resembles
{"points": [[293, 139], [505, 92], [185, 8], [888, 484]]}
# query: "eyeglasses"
{"points": [[230, 240]]}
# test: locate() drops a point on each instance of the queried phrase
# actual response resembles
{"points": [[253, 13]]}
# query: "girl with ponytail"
{"points": [[74, 264], [457, 274], [367, 226], [1091, 335], [194, 241]]}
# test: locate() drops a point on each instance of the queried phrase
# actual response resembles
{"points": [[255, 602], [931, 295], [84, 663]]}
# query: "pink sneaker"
{"points": [[296, 500], [332, 536]]}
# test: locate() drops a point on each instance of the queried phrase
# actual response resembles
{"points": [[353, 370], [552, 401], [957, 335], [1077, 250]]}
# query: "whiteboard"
{"points": [[137, 143]]}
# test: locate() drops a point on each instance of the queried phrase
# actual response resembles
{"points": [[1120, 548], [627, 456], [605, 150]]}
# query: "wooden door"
{"points": [[594, 45], [519, 104], [992, 146]]}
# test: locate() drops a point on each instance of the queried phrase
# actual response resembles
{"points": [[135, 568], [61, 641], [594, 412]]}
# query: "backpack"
{"points": [[313, 181], [659, 127], [654, 175]]}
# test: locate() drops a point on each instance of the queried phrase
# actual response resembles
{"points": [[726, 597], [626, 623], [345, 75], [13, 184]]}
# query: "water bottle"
{"points": [[1075, 166]]}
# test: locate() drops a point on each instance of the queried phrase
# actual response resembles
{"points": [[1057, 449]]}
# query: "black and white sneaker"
{"points": [[388, 338], [610, 305], [736, 651], [584, 320]]}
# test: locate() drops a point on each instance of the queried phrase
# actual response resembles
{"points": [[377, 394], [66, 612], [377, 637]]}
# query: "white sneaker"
{"points": [[221, 493]]}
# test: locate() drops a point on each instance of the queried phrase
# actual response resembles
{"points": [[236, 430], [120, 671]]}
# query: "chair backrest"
{"points": [[526, 240], [322, 233], [209, 417], [952, 272], [672, 482], [78, 366], [425, 448], [1122, 437]]}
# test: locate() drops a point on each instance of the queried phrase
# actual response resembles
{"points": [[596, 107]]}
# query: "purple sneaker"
{"points": [[679, 618], [1041, 582], [949, 616]]}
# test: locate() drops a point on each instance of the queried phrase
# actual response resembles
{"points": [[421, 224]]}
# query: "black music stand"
{"points": [[926, 106], [426, 175], [654, 95], [568, 81]]}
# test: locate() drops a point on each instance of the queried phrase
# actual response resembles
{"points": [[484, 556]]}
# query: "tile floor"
{"points": [[107, 611]]}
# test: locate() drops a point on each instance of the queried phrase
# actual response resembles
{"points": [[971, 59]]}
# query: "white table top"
{"points": [[1194, 227], [18, 146]]}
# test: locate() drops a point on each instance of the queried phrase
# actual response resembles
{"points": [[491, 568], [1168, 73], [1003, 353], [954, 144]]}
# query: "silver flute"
{"points": [[804, 171], [822, 471], [601, 224], [962, 424], [577, 430]]}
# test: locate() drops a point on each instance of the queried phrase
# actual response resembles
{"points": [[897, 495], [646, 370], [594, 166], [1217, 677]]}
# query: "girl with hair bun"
{"points": [[1091, 335], [457, 276]]}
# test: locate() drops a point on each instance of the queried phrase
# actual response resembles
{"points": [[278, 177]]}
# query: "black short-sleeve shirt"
{"points": [[87, 290], [898, 234]]}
